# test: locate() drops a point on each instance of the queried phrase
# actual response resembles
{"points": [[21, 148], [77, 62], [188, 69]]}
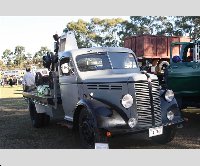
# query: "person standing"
{"points": [[28, 80], [10, 81]]}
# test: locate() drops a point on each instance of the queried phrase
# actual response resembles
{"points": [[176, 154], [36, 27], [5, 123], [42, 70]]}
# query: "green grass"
{"points": [[11, 98], [13, 103], [11, 92]]}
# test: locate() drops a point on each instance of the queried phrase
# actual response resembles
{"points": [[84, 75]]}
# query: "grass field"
{"points": [[18, 133], [11, 92], [11, 98]]}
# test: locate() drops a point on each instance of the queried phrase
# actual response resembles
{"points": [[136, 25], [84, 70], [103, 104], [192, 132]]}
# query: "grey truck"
{"points": [[101, 92]]}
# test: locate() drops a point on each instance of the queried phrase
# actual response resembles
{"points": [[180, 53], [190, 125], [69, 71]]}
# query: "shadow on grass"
{"points": [[20, 90], [195, 117], [13, 103], [18, 133], [18, 93], [187, 137]]}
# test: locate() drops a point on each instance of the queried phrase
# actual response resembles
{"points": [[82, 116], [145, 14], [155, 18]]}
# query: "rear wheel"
{"points": [[88, 132], [167, 136], [38, 119]]}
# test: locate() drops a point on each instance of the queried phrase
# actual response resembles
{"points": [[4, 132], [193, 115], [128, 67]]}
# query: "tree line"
{"points": [[18, 58], [111, 32]]}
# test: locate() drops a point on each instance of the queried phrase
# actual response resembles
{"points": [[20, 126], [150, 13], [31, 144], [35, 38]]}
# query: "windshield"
{"points": [[106, 60]]}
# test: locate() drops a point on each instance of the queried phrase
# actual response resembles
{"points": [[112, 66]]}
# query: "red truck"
{"points": [[153, 51]]}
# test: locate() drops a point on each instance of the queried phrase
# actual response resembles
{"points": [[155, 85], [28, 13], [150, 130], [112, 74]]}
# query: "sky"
{"points": [[32, 32]]}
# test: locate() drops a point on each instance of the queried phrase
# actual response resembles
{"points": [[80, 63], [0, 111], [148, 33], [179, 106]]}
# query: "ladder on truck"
{"points": [[65, 42]]}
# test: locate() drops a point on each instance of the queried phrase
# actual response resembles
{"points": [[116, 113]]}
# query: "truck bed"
{"points": [[41, 98]]}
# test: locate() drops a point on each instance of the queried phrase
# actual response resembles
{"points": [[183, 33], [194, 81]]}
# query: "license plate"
{"points": [[101, 146], [155, 131]]}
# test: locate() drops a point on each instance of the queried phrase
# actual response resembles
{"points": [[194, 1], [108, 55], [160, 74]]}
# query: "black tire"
{"points": [[167, 136], [38, 119], [46, 119], [162, 66], [88, 132]]}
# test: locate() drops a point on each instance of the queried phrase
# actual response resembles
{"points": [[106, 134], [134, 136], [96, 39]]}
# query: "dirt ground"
{"points": [[16, 131]]}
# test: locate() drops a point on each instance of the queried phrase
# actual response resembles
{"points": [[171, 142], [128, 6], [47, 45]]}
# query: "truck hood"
{"points": [[130, 77]]}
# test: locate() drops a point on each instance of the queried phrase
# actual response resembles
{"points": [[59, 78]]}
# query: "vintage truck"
{"points": [[183, 73], [100, 92]]}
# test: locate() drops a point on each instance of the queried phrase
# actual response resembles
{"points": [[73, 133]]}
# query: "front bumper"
{"points": [[123, 127]]}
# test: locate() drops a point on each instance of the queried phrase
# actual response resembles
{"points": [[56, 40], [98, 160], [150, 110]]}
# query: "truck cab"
{"points": [[101, 92], [183, 73]]}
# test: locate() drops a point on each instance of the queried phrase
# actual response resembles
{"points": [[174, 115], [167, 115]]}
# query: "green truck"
{"points": [[183, 73]]}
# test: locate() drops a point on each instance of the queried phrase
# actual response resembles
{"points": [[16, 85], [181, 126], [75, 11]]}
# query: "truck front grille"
{"points": [[144, 105]]}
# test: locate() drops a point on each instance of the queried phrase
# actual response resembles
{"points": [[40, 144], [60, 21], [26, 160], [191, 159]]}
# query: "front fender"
{"points": [[170, 106], [105, 116]]}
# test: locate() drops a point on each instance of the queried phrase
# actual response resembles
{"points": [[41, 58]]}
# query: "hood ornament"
{"points": [[147, 75], [149, 79]]}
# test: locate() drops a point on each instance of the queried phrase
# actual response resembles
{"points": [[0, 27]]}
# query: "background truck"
{"points": [[100, 92], [183, 73], [153, 51]]}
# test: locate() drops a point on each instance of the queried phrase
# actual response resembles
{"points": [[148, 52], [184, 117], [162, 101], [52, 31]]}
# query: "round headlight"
{"points": [[170, 115], [127, 101], [169, 95], [132, 122]]}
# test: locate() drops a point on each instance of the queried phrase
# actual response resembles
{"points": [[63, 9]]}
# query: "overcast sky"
{"points": [[32, 32]]}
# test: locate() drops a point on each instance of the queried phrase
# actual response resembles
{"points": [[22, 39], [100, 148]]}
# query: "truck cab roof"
{"points": [[82, 51]]}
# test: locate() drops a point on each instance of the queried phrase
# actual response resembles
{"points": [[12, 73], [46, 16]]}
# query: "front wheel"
{"points": [[167, 136], [88, 132]]}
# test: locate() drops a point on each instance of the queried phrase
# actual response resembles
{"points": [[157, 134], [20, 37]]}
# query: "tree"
{"points": [[37, 58], [7, 56], [2, 66], [105, 32], [189, 25], [140, 25], [82, 31], [19, 55], [97, 32], [111, 32], [29, 58]]}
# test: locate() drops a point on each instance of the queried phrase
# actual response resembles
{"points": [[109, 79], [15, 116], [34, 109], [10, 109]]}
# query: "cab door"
{"points": [[195, 74], [68, 87]]}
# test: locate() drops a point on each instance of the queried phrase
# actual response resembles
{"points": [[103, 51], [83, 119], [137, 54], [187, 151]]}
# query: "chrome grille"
{"points": [[144, 105]]}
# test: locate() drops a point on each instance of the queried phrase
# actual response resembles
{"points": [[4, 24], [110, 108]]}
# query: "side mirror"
{"points": [[65, 68]]}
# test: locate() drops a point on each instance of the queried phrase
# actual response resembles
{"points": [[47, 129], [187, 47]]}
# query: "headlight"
{"points": [[170, 115], [127, 101], [132, 122], [169, 95]]}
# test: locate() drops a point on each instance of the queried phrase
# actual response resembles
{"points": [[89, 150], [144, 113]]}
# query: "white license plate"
{"points": [[101, 146], [155, 131]]}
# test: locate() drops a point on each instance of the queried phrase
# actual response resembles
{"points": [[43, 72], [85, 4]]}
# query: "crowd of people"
{"points": [[28, 80], [11, 80]]}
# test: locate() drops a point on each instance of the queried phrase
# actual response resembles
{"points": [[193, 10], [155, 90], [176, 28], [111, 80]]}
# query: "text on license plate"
{"points": [[155, 131]]}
